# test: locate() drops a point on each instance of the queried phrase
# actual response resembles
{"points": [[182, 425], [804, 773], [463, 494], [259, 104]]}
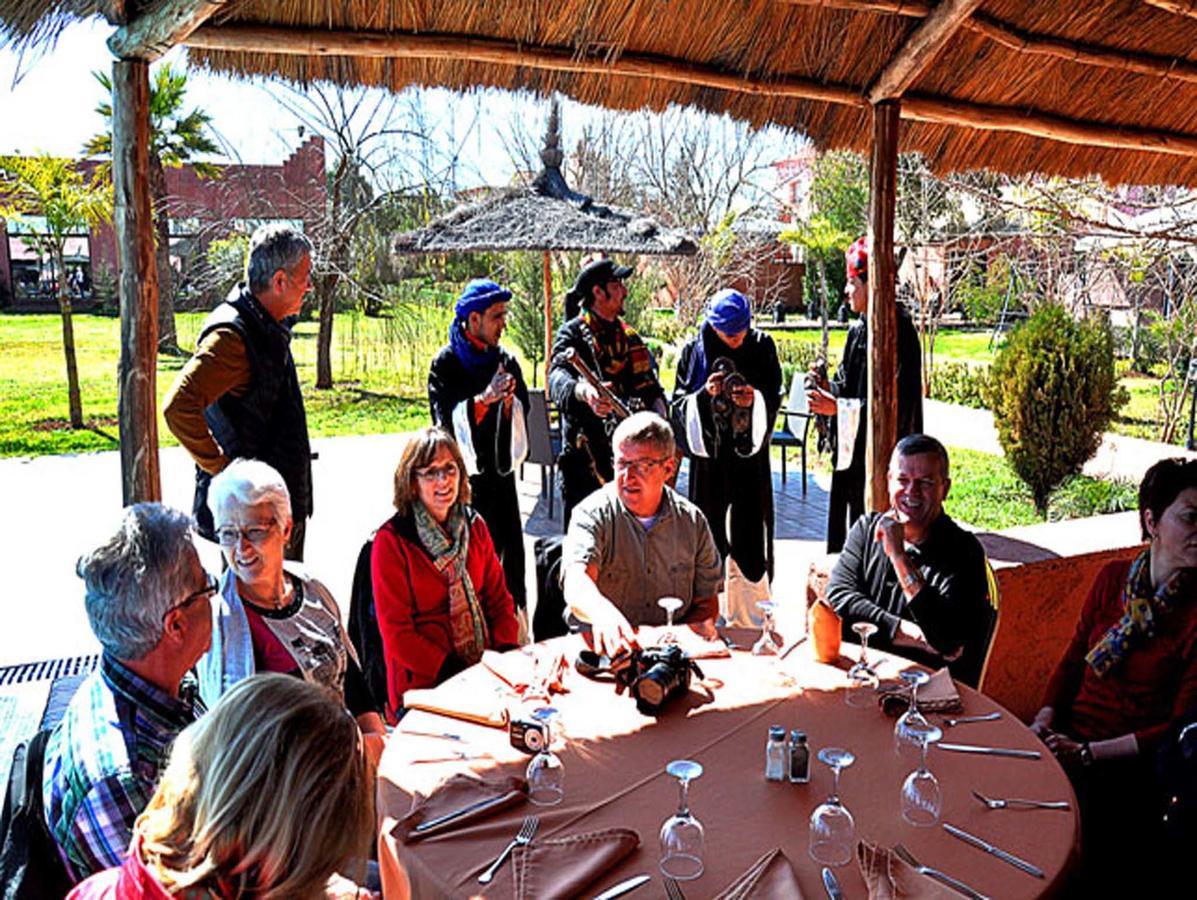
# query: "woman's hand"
{"points": [[1065, 749], [1041, 725]]}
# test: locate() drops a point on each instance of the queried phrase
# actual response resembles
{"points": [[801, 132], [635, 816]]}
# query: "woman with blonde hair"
{"points": [[439, 588], [267, 796]]}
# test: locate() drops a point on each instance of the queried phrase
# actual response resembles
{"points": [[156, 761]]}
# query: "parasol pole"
{"points": [[548, 318]]}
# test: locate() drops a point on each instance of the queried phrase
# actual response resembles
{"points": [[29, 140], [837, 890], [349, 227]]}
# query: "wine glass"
{"points": [[922, 799], [671, 605], [832, 828], [765, 645], [862, 678], [546, 772], [682, 834], [905, 742]]}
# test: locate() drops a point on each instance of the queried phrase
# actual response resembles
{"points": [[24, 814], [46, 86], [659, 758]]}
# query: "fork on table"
{"points": [[959, 886], [524, 836], [1017, 803], [672, 890]]}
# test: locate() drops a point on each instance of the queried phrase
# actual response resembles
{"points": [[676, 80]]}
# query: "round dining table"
{"points": [[615, 757]]}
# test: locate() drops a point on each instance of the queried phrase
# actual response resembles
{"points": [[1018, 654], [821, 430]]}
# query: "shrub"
{"points": [[1053, 392], [961, 383]]}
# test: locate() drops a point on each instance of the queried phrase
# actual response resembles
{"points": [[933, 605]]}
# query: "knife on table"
{"points": [[990, 751], [458, 813], [1001, 854], [623, 887], [831, 885]]}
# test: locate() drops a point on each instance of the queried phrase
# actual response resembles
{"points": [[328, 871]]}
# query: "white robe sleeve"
{"points": [[519, 434], [463, 431], [694, 439]]}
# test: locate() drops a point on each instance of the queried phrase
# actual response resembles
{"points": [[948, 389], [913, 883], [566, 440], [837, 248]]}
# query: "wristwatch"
{"points": [[1086, 755], [910, 580]]}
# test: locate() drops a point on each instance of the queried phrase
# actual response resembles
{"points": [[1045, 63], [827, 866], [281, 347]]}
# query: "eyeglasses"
{"points": [[436, 473], [638, 467], [211, 586], [230, 535]]}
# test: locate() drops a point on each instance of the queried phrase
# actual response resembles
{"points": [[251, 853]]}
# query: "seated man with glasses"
{"points": [[271, 616], [634, 541], [913, 572], [440, 593], [147, 600]]}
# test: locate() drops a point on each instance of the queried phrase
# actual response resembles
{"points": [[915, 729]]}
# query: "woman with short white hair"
{"points": [[271, 616]]}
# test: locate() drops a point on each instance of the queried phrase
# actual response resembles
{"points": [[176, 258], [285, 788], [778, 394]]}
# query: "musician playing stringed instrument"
{"points": [[621, 362]]}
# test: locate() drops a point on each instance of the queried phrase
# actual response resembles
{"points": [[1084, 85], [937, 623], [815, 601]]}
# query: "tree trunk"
{"points": [[822, 266], [327, 292], [1138, 320], [168, 338], [74, 397]]}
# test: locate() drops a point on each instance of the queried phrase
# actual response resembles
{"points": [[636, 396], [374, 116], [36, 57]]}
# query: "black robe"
{"points": [[487, 446], [722, 473]]}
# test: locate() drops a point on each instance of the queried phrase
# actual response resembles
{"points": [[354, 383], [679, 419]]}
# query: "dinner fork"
{"points": [[672, 890], [959, 886], [1016, 803], [524, 836], [960, 720]]}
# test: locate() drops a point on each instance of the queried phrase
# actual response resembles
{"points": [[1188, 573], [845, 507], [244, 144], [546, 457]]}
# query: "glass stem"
{"points": [[835, 786], [683, 797]]}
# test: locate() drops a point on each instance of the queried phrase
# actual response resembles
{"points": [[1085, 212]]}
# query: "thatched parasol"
{"points": [[546, 215]]}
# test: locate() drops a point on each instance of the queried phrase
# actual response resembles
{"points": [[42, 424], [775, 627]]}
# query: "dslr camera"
{"points": [[655, 674], [735, 419]]}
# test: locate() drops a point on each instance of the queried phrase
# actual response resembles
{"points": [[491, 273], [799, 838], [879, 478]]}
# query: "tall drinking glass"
{"points": [[682, 834], [922, 799], [671, 605], [862, 678], [765, 645], [832, 828], [905, 742], [546, 772]]}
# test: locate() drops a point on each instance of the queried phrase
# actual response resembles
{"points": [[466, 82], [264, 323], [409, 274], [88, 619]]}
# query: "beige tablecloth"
{"points": [[615, 760]]}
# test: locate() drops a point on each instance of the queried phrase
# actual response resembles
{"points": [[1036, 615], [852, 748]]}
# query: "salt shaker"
{"points": [[776, 754]]}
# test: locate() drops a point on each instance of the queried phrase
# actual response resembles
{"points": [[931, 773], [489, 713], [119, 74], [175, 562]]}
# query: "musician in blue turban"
{"points": [[477, 393], [727, 394]]}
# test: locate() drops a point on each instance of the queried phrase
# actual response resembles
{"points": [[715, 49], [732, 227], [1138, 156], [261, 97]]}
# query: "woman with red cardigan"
{"points": [[439, 589], [1128, 674]]}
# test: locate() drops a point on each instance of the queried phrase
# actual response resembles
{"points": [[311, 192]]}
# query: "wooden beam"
{"points": [[116, 12], [1179, 7], [137, 372], [923, 108], [159, 27], [883, 311], [1071, 51], [921, 47], [914, 8], [378, 45], [939, 111]]}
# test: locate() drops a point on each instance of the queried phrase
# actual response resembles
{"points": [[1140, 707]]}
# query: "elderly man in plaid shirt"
{"points": [[147, 600]]}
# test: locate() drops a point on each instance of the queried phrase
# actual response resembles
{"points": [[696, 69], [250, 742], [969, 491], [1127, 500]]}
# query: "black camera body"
{"points": [[735, 419], [527, 736], [655, 674]]}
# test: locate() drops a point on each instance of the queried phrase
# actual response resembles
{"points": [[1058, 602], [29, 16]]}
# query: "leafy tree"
{"points": [[1053, 392], [54, 189], [839, 190], [822, 239], [176, 137]]}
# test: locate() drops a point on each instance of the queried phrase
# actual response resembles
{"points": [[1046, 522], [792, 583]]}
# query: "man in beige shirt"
{"points": [[239, 395]]}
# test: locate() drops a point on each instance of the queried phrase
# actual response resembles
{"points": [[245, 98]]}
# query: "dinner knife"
{"points": [[831, 885], [990, 751], [458, 813], [623, 887], [1001, 854]]}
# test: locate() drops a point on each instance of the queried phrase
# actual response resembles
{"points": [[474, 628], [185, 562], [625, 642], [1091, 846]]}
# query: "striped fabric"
{"points": [[103, 761]]}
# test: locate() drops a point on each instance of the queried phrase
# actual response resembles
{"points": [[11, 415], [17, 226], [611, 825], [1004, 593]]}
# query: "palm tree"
{"points": [[55, 190], [175, 138]]}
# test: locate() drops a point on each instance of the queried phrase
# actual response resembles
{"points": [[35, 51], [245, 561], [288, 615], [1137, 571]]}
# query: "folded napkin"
{"points": [[563, 867], [937, 695], [517, 670], [695, 645], [460, 699], [769, 878], [890, 878], [458, 792]]}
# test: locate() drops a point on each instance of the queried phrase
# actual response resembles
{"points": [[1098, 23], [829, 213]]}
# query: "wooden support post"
{"points": [[883, 313], [548, 318], [137, 374]]}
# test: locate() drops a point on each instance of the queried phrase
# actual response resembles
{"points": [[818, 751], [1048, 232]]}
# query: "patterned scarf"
{"points": [[620, 353], [1142, 610], [449, 548]]}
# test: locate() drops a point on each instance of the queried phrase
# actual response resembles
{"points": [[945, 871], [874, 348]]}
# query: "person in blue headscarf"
{"points": [[477, 393], [727, 394]]}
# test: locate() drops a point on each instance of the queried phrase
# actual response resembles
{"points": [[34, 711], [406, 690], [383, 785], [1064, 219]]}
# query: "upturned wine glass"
{"points": [[765, 645], [671, 605], [546, 772], [862, 678], [682, 839], [832, 828], [922, 799], [905, 743]]}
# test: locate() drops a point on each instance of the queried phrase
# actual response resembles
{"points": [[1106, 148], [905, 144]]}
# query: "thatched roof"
{"points": [[547, 215], [987, 92]]}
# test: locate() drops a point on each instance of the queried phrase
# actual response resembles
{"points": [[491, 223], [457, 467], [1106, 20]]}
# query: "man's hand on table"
{"points": [[910, 637], [705, 628], [611, 632]]}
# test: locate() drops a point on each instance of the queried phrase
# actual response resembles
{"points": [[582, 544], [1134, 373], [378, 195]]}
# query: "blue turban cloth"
{"points": [[730, 312], [477, 297]]}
